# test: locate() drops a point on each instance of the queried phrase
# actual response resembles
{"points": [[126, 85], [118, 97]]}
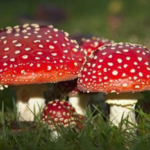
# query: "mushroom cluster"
{"points": [[33, 54], [121, 70]]}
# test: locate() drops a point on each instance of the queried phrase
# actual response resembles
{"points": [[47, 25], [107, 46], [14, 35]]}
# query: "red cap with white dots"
{"points": [[37, 54], [59, 113], [118, 67]]}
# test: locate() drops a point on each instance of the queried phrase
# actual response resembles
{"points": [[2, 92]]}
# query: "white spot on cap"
{"points": [[115, 72], [137, 86], [110, 64], [140, 74], [125, 65], [25, 56], [51, 47], [140, 58], [124, 84], [132, 70], [119, 60], [49, 67], [128, 58], [6, 49]]}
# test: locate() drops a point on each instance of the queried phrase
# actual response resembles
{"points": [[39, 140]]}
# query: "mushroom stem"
{"points": [[79, 102], [120, 113], [55, 135], [30, 101], [122, 108]]}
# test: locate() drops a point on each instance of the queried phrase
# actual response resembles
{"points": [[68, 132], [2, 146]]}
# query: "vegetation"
{"points": [[117, 20]]}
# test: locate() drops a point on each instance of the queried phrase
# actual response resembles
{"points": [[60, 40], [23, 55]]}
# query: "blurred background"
{"points": [[118, 20]]}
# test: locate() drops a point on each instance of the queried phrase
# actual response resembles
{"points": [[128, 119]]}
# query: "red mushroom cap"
{"points": [[116, 67], [59, 113], [37, 54], [91, 45]]}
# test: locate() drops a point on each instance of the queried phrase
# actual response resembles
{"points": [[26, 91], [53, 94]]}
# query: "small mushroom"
{"points": [[91, 45], [121, 70], [59, 113], [33, 54]]}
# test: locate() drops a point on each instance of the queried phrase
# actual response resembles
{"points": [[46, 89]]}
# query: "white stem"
{"points": [[28, 111], [30, 101], [54, 135], [79, 103], [120, 113]]}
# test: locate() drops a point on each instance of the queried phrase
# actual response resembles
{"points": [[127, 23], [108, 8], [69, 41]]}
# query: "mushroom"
{"points": [[31, 55], [121, 70], [91, 45], [59, 113]]}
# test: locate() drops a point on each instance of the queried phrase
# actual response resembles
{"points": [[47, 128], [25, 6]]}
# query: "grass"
{"points": [[96, 135], [90, 17]]}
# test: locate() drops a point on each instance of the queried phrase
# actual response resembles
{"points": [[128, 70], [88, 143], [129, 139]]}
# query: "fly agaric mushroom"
{"points": [[91, 45], [121, 70], [33, 54], [59, 113]]}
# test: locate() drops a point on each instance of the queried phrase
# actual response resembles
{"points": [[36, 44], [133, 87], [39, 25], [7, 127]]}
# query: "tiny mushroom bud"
{"points": [[121, 70], [34, 54]]}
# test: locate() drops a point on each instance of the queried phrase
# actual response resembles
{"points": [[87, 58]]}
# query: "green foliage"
{"points": [[97, 135]]}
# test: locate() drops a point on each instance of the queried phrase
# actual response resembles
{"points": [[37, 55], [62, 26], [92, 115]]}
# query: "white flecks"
{"points": [[125, 65], [51, 47], [125, 50], [38, 65], [110, 64], [110, 56], [41, 46], [105, 78], [48, 58], [140, 58], [119, 60], [140, 74], [36, 41], [124, 84], [6, 49], [27, 48], [115, 72], [25, 56], [4, 64], [132, 70], [18, 45], [54, 54], [17, 52], [65, 51], [137, 86], [146, 63], [12, 59], [37, 58], [39, 53], [128, 58], [5, 56], [93, 65], [49, 67], [76, 64], [135, 63]]}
